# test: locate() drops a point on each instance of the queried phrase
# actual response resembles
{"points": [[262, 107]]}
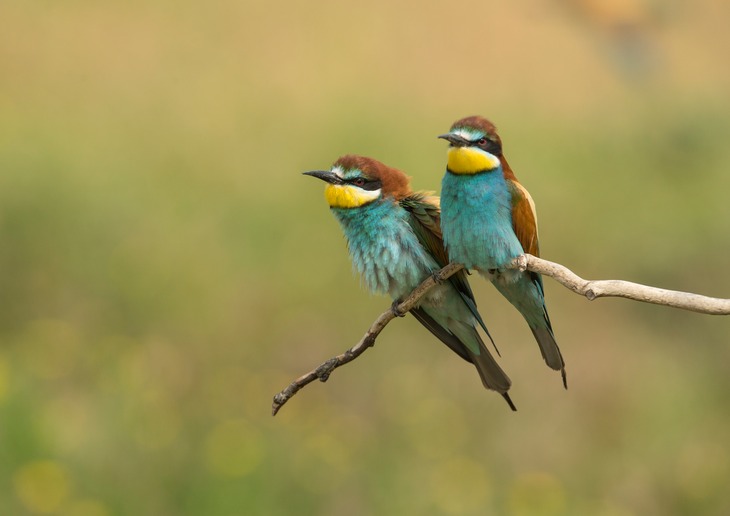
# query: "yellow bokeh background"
{"points": [[165, 269]]}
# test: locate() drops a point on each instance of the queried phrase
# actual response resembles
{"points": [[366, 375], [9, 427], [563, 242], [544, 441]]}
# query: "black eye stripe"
{"points": [[370, 184], [489, 145]]}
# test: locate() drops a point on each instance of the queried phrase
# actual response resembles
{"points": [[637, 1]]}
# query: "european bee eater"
{"points": [[488, 219], [394, 239]]}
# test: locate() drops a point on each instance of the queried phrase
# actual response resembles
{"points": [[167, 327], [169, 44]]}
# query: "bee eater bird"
{"points": [[394, 239], [488, 219]]}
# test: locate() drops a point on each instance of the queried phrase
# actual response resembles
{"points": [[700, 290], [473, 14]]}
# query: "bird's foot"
{"points": [[437, 279], [397, 311], [521, 263]]}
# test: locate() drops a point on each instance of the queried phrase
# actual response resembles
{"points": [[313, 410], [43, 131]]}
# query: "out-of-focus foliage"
{"points": [[165, 269]]}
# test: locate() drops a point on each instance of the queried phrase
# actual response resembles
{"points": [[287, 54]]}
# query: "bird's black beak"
{"points": [[325, 175], [455, 139]]}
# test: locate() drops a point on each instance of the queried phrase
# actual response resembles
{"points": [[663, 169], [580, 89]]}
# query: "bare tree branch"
{"points": [[591, 289], [323, 371]]}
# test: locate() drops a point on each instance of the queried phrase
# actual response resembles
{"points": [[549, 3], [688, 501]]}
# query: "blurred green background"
{"points": [[165, 269]]}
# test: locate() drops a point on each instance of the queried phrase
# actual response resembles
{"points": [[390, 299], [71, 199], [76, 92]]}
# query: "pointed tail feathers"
{"points": [[550, 351], [525, 292], [465, 341], [493, 377]]}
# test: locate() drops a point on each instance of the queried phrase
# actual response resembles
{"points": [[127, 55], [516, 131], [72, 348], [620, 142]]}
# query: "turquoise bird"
{"points": [[394, 239], [488, 219]]}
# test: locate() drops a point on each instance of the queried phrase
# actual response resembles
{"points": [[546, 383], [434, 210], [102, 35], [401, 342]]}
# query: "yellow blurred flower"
{"points": [[42, 486], [536, 494], [460, 485]]}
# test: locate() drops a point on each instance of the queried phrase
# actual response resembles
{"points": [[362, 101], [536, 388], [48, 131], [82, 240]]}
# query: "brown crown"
{"points": [[395, 183], [477, 122]]}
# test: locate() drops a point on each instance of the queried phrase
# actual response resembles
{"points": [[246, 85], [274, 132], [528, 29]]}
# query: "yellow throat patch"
{"points": [[348, 196], [468, 160]]}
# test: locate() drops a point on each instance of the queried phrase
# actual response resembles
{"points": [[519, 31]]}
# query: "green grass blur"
{"points": [[165, 269]]}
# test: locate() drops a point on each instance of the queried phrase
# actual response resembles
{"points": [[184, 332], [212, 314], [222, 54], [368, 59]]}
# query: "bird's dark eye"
{"points": [[482, 141], [359, 181]]}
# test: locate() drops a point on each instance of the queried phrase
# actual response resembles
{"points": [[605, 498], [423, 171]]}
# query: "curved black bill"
{"points": [[325, 175], [455, 139]]}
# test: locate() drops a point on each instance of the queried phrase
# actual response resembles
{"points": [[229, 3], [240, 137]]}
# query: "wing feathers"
{"points": [[524, 218], [425, 220]]}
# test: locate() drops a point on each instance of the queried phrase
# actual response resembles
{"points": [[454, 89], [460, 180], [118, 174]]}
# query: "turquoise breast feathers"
{"points": [[384, 249]]}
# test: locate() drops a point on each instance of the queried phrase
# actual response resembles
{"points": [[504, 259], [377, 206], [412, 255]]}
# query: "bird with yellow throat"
{"points": [[488, 219], [394, 239]]}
